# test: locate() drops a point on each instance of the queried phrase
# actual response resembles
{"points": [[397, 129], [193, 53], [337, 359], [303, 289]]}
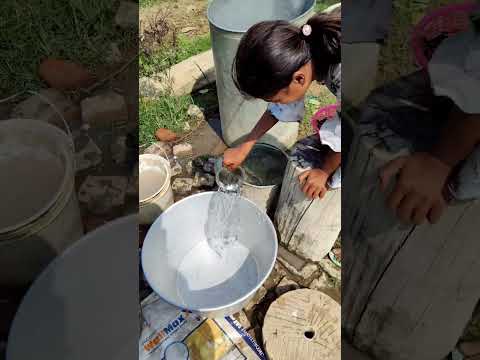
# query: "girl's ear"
{"points": [[299, 78]]}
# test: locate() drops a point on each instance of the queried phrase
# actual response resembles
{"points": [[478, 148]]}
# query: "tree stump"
{"points": [[307, 227], [303, 324], [408, 291]]}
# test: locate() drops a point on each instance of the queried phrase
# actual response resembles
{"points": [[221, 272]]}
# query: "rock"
{"points": [[290, 258], [275, 277], [165, 135], [115, 55], [198, 163], [127, 15], [195, 113], [242, 318], [203, 180], [186, 127], [182, 186], [303, 275], [324, 284], [257, 298], [65, 75], [209, 168], [176, 169], [35, 107], [285, 286], [87, 153], [102, 193], [189, 167], [204, 91], [105, 111], [132, 187], [160, 148], [331, 269], [118, 150], [183, 150]]}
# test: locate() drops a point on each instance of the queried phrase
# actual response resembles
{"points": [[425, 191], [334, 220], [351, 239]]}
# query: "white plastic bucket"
{"points": [[83, 306], [40, 216], [155, 191], [182, 268], [266, 194]]}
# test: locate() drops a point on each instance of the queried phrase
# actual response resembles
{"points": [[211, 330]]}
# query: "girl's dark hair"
{"points": [[272, 51]]}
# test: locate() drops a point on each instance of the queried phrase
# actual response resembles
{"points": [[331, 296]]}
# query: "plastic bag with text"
{"points": [[205, 339]]}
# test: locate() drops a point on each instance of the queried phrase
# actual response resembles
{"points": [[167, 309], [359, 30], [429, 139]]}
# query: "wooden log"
{"points": [[303, 324], [307, 227], [408, 291]]}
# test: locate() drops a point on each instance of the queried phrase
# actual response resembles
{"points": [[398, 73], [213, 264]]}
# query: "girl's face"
{"points": [[297, 89]]}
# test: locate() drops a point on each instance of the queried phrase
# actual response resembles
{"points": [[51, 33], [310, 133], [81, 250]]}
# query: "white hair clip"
{"points": [[306, 30]]}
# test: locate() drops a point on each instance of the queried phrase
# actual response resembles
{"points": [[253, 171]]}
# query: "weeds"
{"points": [[76, 30]]}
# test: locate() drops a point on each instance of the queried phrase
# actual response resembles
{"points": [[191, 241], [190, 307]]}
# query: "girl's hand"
{"points": [[234, 157], [314, 183], [418, 194]]}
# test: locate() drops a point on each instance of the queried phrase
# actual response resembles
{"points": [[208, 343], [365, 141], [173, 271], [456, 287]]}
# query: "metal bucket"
{"points": [[272, 162], [229, 20], [155, 191], [40, 216], [178, 264]]}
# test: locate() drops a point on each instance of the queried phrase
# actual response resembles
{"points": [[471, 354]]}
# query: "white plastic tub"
{"points": [[155, 191], [40, 216]]}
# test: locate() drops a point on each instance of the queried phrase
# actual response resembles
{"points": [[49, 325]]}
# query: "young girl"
{"points": [[277, 61], [450, 168]]}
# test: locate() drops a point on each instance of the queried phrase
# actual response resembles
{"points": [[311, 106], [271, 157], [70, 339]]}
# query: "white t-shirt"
{"points": [[455, 70]]}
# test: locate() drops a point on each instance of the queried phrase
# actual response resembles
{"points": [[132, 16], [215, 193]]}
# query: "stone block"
{"points": [[105, 111]]}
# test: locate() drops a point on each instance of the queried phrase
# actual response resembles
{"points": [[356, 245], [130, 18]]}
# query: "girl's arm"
{"points": [[314, 182], [459, 137], [234, 157], [418, 194]]}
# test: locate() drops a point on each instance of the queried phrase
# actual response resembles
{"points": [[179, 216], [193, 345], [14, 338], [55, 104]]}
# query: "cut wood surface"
{"points": [[307, 227], [303, 324], [408, 291]]}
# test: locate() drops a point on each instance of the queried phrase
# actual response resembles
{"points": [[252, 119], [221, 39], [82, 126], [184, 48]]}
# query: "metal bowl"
{"points": [[180, 269]]}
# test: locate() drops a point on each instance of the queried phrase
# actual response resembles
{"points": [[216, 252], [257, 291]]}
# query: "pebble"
{"points": [[206, 180], [65, 75], [176, 169], [182, 186], [189, 167], [165, 135], [209, 168], [195, 112], [183, 150], [285, 286]]}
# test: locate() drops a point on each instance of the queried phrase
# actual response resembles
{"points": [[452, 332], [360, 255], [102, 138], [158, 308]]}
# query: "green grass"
{"points": [[170, 55], [312, 105], [323, 4], [77, 30], [163, 112], [396, 58]]}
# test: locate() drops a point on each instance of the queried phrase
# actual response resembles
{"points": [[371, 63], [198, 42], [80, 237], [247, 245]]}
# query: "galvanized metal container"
{"points": [[229, 20], [264, 194]]}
